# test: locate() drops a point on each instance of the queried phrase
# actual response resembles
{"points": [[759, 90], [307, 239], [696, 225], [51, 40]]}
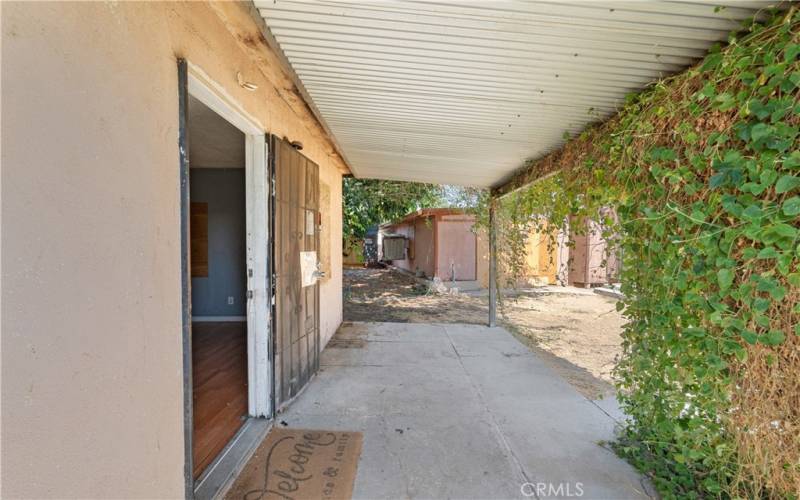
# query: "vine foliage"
{"points": [[703, 172]]}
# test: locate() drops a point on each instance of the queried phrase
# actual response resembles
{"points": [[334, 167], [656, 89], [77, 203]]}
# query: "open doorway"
{"points": [[224, 250], [219, 281]]}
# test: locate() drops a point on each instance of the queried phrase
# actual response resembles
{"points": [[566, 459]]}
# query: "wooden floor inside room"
{"points": [[219, 379]]}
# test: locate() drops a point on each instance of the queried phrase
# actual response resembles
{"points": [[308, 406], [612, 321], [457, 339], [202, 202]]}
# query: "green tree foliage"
{"points": [[367, 202], [703, 171]]}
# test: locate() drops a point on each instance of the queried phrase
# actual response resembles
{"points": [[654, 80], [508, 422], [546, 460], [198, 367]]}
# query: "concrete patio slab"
{"points": [[462, 411]]}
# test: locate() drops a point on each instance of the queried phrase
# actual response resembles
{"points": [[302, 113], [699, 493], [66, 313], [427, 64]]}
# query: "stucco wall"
{"points": [[456, 248], [424, 258], [420, 234], [541, 260], [92, 402], [331, 287], [591, 260], [407, 230]]}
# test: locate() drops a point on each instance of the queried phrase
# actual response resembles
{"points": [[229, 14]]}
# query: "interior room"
{"points": [[219, 282]]}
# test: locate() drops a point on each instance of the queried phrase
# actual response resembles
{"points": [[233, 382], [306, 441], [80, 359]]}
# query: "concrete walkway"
{"points": [[461, 411]]}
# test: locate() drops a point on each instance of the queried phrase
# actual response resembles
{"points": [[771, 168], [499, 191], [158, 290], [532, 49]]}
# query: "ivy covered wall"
{"points": [[703, 170]]}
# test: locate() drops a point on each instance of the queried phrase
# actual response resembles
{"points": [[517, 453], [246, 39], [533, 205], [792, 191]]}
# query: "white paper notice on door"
{"points": [[308, 264]]}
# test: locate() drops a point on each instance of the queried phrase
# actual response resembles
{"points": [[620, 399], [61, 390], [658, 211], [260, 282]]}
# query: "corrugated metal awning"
{"points": [[465, 92]]}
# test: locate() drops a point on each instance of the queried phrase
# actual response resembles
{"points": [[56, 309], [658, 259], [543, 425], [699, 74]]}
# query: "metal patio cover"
{"points": [[465, 92]]}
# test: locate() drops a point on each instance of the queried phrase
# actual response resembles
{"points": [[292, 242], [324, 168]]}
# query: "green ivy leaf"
{"points": [[768, 253], [791, 52], [761, 304], [725, 101], [762, 321], [773, 337], [777, 293], [752, 212], [784, 231], [708, 91], [791, 207], [725, 278], [786, 184], [663, 154], [794, 78], [760, 131], [767, 177], [793, 160], [750, 337], [717, 180], [752, 188]]}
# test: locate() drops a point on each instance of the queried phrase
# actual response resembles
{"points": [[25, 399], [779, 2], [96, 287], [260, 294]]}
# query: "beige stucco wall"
{"points": [[424, 258], [92, 402], [426, 240], [407, 230], [456, 246], [591, 260], [420, 234], [541, 260], [331, 313]]}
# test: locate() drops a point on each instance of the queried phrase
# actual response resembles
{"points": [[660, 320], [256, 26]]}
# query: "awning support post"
{"points": [[492, 262]]}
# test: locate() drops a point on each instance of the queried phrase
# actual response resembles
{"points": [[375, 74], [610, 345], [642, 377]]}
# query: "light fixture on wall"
{"points": [[295, 144], [245, 85]]}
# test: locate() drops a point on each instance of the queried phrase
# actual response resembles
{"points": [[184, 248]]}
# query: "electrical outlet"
{"points": [[230, 300]]}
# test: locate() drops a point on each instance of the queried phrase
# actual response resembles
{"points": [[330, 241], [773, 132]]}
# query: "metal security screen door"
{"points": [[296, 335]]}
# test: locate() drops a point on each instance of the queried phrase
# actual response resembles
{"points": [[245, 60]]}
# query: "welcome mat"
{"points": [[295, 464]]}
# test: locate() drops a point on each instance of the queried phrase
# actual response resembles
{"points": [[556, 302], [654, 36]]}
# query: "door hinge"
{"points": [[249, 294]]}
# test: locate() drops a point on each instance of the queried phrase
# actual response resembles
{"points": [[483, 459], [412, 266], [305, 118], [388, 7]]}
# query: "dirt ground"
{"points": [[388, 295], [576, 331]]}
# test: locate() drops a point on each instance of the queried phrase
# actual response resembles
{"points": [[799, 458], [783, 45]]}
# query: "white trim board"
{"points": [[217, 319], [213, 95]]}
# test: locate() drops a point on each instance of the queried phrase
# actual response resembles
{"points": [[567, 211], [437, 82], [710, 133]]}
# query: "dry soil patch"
{"points": [[575, 331]]}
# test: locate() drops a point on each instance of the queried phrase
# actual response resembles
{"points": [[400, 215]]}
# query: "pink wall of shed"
{"points": [[457, 248], [423, 246]]}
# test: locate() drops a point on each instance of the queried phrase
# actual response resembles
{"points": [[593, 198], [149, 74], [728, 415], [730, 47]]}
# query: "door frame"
{"points": [[193, 81]]}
